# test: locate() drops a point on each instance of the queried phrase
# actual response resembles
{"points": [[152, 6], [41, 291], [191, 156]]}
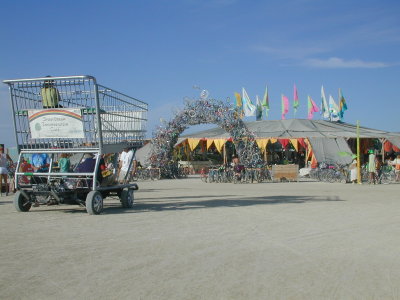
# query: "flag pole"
{"points": [[358, 153]]}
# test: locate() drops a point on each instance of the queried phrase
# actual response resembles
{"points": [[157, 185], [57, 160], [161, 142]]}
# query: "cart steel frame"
{"points": [[84, 117]]}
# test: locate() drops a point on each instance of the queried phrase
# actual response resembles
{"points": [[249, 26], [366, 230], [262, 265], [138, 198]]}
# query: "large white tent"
{"points": [[327, 139]]}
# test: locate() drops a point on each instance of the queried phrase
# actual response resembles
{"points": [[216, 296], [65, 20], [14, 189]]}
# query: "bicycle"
{"points": [[387, 175], [239, 174], [212, 174], [203, 175]]}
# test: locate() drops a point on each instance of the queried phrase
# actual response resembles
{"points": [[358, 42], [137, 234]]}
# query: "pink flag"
{"points": [[285, 106], [312, 108], [295, 99]]}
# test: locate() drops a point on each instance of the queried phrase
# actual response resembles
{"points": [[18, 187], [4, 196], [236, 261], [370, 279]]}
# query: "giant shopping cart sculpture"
{"points": [[73, 116]]}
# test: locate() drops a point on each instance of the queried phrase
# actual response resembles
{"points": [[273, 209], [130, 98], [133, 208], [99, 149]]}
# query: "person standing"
{"points": [[4, 160], [64, 163], [378, 167], [124, 163], [372, 167], [50, 95], [353, 170], [396, 164]]}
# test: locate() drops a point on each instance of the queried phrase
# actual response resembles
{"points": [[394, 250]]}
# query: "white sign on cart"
{"points": [[56, 123]]}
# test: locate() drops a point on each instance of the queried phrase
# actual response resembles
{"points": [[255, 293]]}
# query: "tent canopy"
{"points": [[297, 128], [327, 138], [327, 150], [143, 154], [395, 141]]}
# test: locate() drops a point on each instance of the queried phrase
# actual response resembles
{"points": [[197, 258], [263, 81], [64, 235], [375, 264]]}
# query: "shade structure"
{"points": [[328, 138], [395, 141], [328, 149], [299, 128], [143, 154]]}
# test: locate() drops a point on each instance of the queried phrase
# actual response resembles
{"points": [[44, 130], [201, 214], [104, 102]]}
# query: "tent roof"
{"points": [[143, 154], [297, 128]]}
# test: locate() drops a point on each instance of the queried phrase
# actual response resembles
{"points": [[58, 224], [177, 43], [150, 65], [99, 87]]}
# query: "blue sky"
{"points": [[157, 51]]}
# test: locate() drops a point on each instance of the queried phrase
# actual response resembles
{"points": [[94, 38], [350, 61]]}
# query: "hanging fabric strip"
{"points": [[193, 143], [262, 144], [387, 146], [219, 144], [302, 143], [314, 162], [284, 142], [209, 143], [295, 144]]}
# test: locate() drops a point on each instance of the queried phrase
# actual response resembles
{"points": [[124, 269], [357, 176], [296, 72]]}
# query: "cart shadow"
{"points": [[180, 204], [5, 202], [213, 203]]}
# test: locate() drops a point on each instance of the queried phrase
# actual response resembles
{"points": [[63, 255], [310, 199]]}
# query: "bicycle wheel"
{"points": [[331, 177], [385, 178], [268, 176], [210, 177]]}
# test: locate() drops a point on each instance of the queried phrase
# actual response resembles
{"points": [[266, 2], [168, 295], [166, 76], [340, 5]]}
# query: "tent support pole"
{"points": [[265, 154], [224, 153], [305, 163], [358, 154]]}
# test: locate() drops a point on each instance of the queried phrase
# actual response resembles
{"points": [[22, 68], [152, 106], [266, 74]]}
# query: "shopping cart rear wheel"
{"points": [[127, 198]]}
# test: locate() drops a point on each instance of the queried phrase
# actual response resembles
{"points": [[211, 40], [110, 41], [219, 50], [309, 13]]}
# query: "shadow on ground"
{"points": [[222, 201], [157, 205], [2, 202]]}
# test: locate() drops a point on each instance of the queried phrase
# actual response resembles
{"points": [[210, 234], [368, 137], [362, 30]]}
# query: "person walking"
{"points": [[4, 160]]}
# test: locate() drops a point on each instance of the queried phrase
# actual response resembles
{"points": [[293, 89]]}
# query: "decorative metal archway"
{"points": [[205, 111]]}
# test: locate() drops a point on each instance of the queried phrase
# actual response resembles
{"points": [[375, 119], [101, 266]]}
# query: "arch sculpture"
{"points": [[204, 111]]}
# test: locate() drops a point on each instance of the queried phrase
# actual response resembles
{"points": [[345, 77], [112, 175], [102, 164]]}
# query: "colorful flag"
{"points": [[312, 108], [265, 102], [333, 109], [285, 106], [239, 104], [258, 109], [295, 99], [324, 104], [248, 107], [342, 105]]}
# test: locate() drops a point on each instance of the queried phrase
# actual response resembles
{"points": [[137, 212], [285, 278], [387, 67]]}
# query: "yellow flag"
{"points": [[239, 104]]}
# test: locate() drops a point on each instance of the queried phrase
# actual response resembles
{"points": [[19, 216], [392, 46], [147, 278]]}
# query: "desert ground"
{"points": [[186, 239]]}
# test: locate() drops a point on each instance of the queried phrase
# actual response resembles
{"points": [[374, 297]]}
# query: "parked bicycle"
{"points": [[330, 172]]}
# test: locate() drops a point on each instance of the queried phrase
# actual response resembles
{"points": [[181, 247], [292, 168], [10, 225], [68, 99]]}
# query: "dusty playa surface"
{"points": [[186, 239]]}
